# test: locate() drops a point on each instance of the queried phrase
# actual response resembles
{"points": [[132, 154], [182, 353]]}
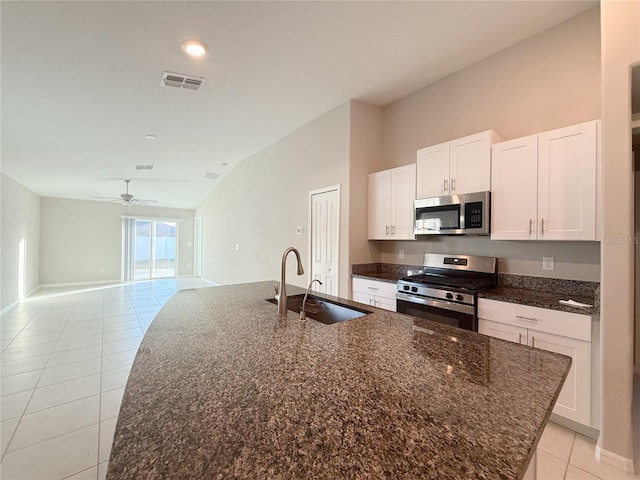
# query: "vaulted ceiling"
{"points": [[81, 80]]}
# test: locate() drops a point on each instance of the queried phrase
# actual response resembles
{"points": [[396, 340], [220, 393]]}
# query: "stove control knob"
{"points": [[449, 295], [414, 289], [406, 287], [459, 297]]}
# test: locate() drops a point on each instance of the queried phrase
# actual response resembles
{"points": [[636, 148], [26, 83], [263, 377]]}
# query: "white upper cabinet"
{"points": [[455, 167], [432, 171], [514, 189], [544, 186], [567, 183], [391, 196]]}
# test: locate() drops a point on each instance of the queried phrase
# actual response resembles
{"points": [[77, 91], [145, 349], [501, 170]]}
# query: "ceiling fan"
{"points": [[127, 199]]}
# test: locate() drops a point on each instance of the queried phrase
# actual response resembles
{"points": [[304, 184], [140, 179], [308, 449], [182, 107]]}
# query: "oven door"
{"points": [[449, 313]]}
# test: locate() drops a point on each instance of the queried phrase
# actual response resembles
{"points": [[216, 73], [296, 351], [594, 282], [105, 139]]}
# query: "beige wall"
{"points": [[262, 200], [365, 139], [20, 210], [79, 237], [620, 50], [548, 81]]}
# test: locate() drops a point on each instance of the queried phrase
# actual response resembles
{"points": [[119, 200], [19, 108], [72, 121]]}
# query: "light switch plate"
{"points": [[548, 263], [401, 254]]}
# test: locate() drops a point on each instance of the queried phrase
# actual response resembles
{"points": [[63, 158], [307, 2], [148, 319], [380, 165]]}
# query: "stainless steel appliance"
{"points": [[465, 214], [447, 290]]}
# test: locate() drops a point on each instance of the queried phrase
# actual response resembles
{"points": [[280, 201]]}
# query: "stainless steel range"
{"points": [[447, 290]]}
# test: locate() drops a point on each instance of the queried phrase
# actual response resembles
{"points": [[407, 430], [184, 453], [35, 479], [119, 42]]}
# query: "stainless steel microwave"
{"points": [[466, 214]]}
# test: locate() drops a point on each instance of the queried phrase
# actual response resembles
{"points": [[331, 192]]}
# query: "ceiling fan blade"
{"points": [[107, 198], [142, 200]]}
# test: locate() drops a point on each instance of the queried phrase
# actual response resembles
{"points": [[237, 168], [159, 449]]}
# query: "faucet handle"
{"points": [[277, 290]]}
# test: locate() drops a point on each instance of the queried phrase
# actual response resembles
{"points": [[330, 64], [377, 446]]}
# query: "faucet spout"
{"points": [[303, 314], [282, 294]]}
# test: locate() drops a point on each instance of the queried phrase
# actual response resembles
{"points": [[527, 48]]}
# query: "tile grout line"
{"points": [[566, 466], [36, 385]]}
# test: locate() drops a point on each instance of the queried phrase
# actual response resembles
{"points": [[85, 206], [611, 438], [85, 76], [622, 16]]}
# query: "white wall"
{"points": [[263, 199], [20, 209], [80, 237], [548, 81], [620, 51]]}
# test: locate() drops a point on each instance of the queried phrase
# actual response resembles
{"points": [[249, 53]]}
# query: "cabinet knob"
{"points": [[453, 184], [445, 185]]}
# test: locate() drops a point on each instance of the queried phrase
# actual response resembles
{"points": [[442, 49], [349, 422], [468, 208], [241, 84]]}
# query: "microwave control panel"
{"points": [[473, 215]]}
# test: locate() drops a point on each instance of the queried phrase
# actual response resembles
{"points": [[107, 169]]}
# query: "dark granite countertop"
{"points": [[223, 387], [536, 298], [381, 276]]}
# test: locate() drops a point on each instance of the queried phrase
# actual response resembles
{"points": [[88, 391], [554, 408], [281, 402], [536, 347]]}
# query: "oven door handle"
{"points": [[456, 307]]}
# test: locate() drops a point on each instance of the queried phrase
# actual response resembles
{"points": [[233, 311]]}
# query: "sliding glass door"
{"points": [[155, 249]]}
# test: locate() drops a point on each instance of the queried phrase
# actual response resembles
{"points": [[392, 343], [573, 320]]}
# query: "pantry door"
{"points": [[324, 235]]}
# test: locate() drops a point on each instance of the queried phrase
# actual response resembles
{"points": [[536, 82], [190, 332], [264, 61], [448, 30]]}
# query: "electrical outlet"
{"points": [[299, 230], [237, 247], [548, 263], [401, 254]]}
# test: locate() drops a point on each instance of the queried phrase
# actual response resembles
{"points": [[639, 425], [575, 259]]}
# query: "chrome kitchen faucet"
{"points": [[281, 295]]}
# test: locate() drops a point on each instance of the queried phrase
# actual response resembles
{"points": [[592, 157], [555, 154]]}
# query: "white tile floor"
{"points": [[66, 357]]}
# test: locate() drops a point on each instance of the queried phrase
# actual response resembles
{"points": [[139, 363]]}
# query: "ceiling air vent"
{"points": [[181, 81], [212, 176], [144, 167]]}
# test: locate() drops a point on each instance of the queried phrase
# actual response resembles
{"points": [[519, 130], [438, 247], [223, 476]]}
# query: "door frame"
{"points": [[310, 232], [197, 246]]}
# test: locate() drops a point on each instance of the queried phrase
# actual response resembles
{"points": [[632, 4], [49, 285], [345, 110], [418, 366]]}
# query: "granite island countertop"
{"points": [[224, 387]]}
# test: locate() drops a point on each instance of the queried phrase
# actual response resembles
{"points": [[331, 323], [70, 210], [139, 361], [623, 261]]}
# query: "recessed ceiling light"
{"points": [[150, 137], [194, 48]]}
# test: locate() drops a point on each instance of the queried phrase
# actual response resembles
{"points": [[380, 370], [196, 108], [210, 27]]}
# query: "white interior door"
{"points": [[324, 235], [197, 247]]}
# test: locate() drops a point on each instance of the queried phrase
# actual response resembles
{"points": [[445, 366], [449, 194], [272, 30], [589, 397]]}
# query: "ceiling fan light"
{"points": [[194, 48]]}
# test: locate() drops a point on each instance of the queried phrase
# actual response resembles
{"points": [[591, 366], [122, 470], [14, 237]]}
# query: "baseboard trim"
{"points": [[80, 284], [585, 430], [614, 460], [13, 305], [8, 308]]}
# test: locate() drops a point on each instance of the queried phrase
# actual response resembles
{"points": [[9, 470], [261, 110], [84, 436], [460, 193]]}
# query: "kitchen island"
{"points": [[224, 387]]}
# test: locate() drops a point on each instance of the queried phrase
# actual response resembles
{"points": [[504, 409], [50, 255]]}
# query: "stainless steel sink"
{"points": [[323, 310]]}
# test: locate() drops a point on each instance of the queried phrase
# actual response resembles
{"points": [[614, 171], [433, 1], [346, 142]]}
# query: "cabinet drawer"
{"points": [[572, 325], [372, 287]]}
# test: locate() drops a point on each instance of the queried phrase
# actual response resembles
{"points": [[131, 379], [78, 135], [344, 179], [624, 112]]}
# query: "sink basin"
{"points": [[321, 309]]}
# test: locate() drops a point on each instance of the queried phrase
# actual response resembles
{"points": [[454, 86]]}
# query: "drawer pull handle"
{"points": [[520, 338], [531, 319], [533, 341], [373, 288]]}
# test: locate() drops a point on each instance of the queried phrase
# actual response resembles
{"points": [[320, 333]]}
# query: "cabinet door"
{"points": [[567, 183], [514, 189], [574, 401], [386, 303], [470, 163], [432, 177], [503, 331], [403, 193], [379, 205], [362, 297]]}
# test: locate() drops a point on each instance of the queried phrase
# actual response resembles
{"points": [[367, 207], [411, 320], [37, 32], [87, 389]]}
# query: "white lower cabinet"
{"points": [[374, 293], [552, 330]]}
